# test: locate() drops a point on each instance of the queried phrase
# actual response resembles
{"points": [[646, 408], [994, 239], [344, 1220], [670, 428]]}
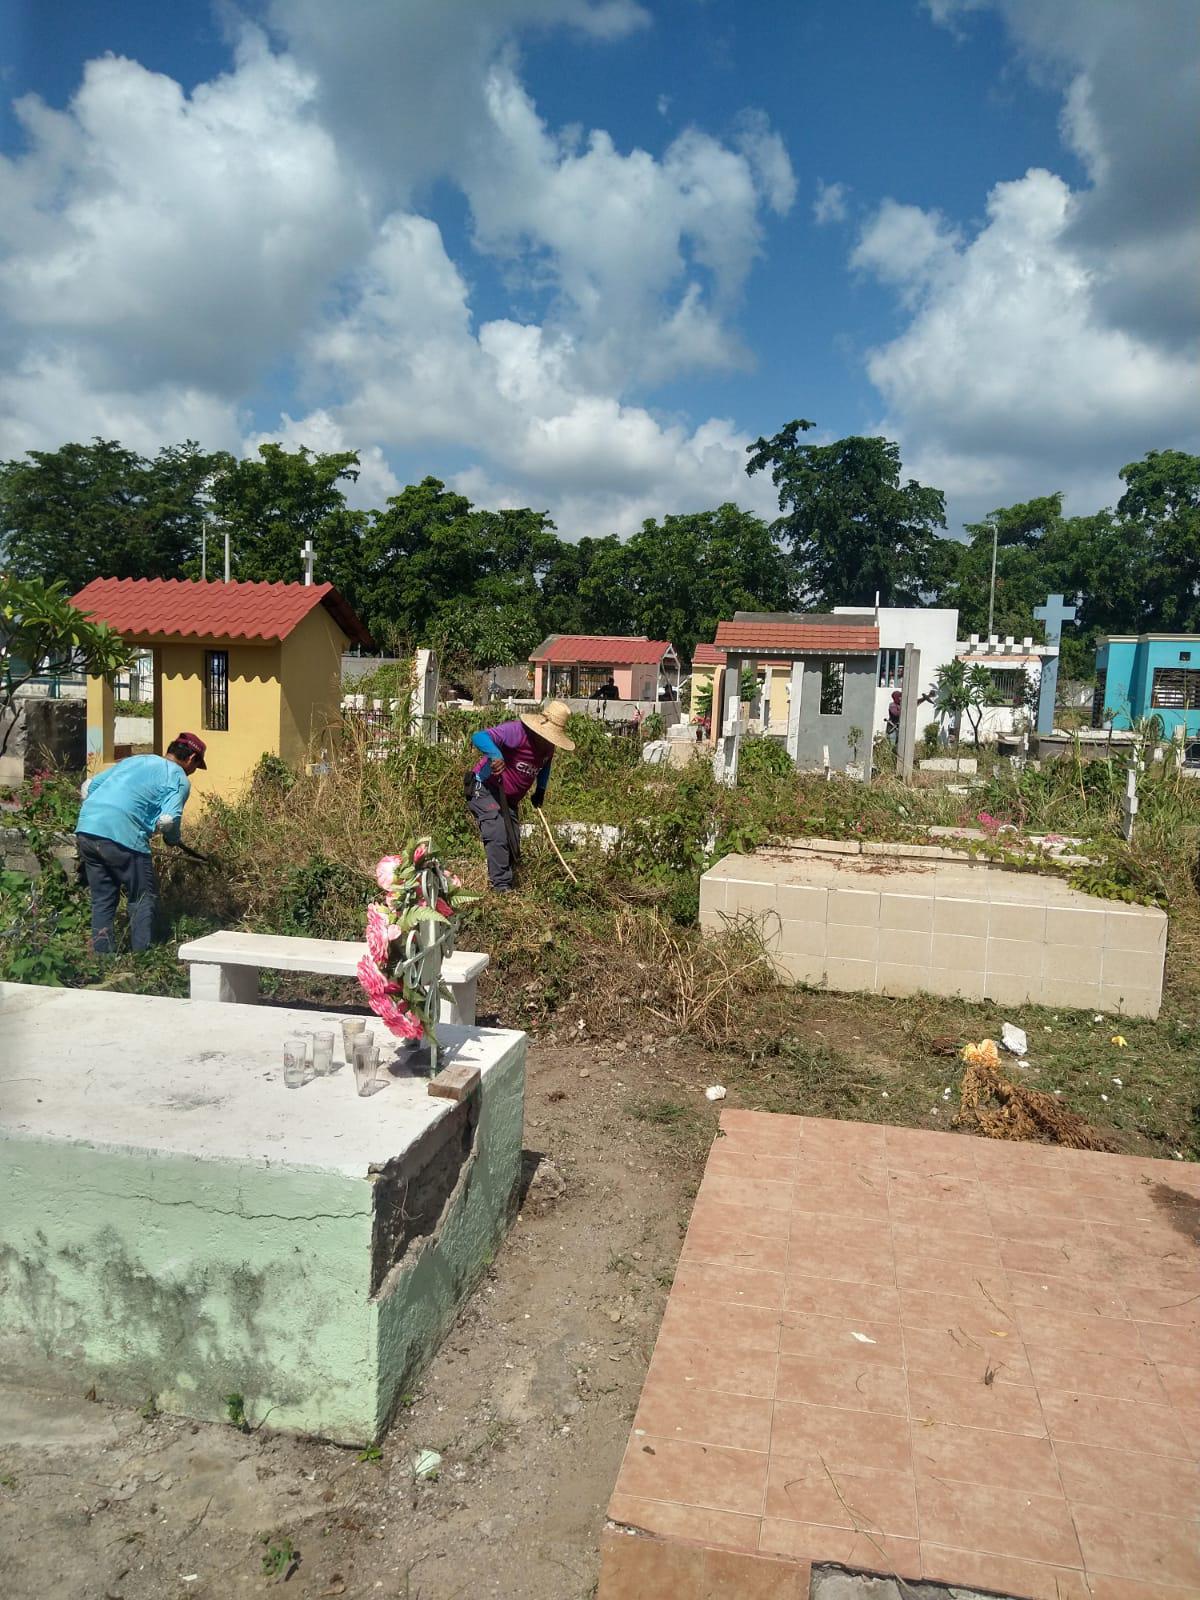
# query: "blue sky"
{"points": [[578, 253]]}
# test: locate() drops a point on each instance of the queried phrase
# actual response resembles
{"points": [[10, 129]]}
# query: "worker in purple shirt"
{"points": [[515, 758]]}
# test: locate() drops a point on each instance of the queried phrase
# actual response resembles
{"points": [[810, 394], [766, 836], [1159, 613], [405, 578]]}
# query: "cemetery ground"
{"points": [[631, 1017]]}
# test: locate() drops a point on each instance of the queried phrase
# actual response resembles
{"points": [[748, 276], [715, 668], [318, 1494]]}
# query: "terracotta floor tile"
{"points": [[729, 1576], [1036, 1227], [976, 1455], [1164, 1341], [972, 1403], [724, 1285], [1160, 1233], [756, 1222], [1130, 1544], [1013, 1199], [705, 1475], [969, 1355], [1105, 1588], [1055, 1261], [1083, 1372], [737, 1328], [735, 1248], [1073, 1295], [1003, 1161], [870, 1552], [1047, 1327], [974, 1313], [633, 1567], [813, 1230], [845, 1199], [853, 1140], [747, 1130], [1128, 1479], [688, 1362], [979, 1250], [728, 1189], [1188, 1418], [701, 1526], [828, 1296], [1113, 1424], [704, 1416], [827, 1259], [857, 1385], [938, 1217], [844, 1173], [803, 1489], [1182, 1384], [843, 1439], [939, 1275], [1002, 1574], [998, 1521], [841, 1339], [729, 1159], [1179, 1308], [918, 1150], [939, 1188]]}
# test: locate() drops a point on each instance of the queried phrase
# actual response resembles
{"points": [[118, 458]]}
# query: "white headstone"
{"points": [[424, 702]]}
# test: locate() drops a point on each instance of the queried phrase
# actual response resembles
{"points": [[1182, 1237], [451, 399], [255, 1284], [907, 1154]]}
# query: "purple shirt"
{"points": [[523, 758]]}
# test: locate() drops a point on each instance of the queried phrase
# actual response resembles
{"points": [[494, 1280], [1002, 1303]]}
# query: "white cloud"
{"points": [[1059, 340], [830, 204], [170, 254]]}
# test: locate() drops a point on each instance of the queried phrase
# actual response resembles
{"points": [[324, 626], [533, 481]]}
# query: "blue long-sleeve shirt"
{"points": [[129, 802]]}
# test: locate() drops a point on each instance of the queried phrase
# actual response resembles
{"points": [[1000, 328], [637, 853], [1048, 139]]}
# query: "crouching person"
{"points": [[515, 759]]}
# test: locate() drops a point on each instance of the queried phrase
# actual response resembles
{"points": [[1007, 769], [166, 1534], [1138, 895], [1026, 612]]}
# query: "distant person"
{"points": [[893, 717], [516, 759], [608, 691], [123, 807]]}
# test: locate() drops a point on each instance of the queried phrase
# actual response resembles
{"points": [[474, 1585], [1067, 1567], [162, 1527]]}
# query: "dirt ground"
{"points": [[528, 1402]]}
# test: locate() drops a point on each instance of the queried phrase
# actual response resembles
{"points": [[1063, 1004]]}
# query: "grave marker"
{"points": [[1054, 613]]}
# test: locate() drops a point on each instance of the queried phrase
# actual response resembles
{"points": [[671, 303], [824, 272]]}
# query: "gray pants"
{"points": [[110, 867], [503, 849]]}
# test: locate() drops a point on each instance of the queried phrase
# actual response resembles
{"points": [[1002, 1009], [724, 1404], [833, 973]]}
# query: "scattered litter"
{"points": [[1023, 1064], [715, 1091], [584, 1072], [1118, 1083], [861, 1337], [1104, 1097], [426, 1464], [1119, 1040], [993, 1106], [983, 1054], [1047, 1028], [1014, 1039], [1097, 1018], [885, 1094]]}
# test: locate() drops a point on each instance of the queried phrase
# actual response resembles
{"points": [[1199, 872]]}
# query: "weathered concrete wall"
{"points": [[177, 1223], [49, 734], [16, 855], [858, 711], [909, 919]]}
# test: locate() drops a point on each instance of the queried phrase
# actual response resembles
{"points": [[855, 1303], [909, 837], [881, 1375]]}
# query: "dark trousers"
{"points": [[110, 867], [501, 842]]}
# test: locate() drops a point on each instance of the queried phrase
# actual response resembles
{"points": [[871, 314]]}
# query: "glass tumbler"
{"points": [[322, 1051], [352, 1028], [295, 1061]]}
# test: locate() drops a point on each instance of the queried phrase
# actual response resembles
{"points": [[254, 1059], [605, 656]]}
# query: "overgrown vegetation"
{"points": [[619, 950]]}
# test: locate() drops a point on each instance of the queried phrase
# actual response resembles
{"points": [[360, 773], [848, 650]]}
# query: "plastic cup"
{"points": [[366, 1070], [322, 1051], [295, 1062]]}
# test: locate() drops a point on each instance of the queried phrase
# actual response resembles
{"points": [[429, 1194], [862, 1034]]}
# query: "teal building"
{"points": [[1149, 674]]}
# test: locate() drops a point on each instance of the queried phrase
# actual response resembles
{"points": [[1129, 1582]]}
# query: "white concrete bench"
{"points": [[225, 966]]}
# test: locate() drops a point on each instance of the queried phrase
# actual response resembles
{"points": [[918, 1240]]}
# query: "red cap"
{"points": [[194, 743]]}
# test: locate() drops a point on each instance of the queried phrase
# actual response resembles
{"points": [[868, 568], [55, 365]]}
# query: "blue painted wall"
{"points": [[1129, 666]]}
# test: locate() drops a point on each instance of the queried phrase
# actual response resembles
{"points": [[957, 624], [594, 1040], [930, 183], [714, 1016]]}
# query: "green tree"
{"points": [[98, 510], [1162, 501], [271, 503], [854, 529], [42, 632]]}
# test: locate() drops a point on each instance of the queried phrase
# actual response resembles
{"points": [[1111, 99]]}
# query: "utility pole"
{"points": [[226, 552], [992, 586], [204, 552], [307, 553]]}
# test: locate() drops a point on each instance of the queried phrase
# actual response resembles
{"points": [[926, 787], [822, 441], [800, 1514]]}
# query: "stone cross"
{"points": [[1054, 613], [308, 553]]}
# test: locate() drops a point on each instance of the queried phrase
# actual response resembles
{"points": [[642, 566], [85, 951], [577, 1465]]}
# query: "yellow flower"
{"points": [[1119, 1040]]}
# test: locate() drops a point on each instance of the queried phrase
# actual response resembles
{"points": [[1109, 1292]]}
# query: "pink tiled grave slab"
{"points": [[929, 1355]]}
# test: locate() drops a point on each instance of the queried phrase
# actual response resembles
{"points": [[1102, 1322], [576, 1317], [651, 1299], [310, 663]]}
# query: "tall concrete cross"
{"points": [[1054, 613]]}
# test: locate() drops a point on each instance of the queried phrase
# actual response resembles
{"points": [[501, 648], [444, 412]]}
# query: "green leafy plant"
{"points": [[371, 1456], [653, 726], [235, 1408], [281, 1559], [758, 758]]}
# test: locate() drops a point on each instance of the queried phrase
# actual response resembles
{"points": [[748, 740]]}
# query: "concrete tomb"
{"points": [[906, 919], [179, 1224]]}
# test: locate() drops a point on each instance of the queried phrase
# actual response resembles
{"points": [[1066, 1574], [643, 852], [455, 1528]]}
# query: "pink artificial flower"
{"points": [[373, 983], [453, 879], [419, 854], [397, 1018], [385, 871], [378, 931], [445, 908]]}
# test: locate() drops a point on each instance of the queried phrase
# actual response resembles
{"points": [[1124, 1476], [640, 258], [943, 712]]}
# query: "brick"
{"points": [[454, 1083]]}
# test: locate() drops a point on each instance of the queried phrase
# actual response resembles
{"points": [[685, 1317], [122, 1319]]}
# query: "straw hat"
{"points": [[551, 724]]}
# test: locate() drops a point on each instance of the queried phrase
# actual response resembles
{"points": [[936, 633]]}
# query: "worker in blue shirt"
{"points": [[123, 807]]}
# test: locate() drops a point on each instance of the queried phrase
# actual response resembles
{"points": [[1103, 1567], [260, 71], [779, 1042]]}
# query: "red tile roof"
{"points": [[707, 655], [799, 638], [565, 649], [181, 608]]}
